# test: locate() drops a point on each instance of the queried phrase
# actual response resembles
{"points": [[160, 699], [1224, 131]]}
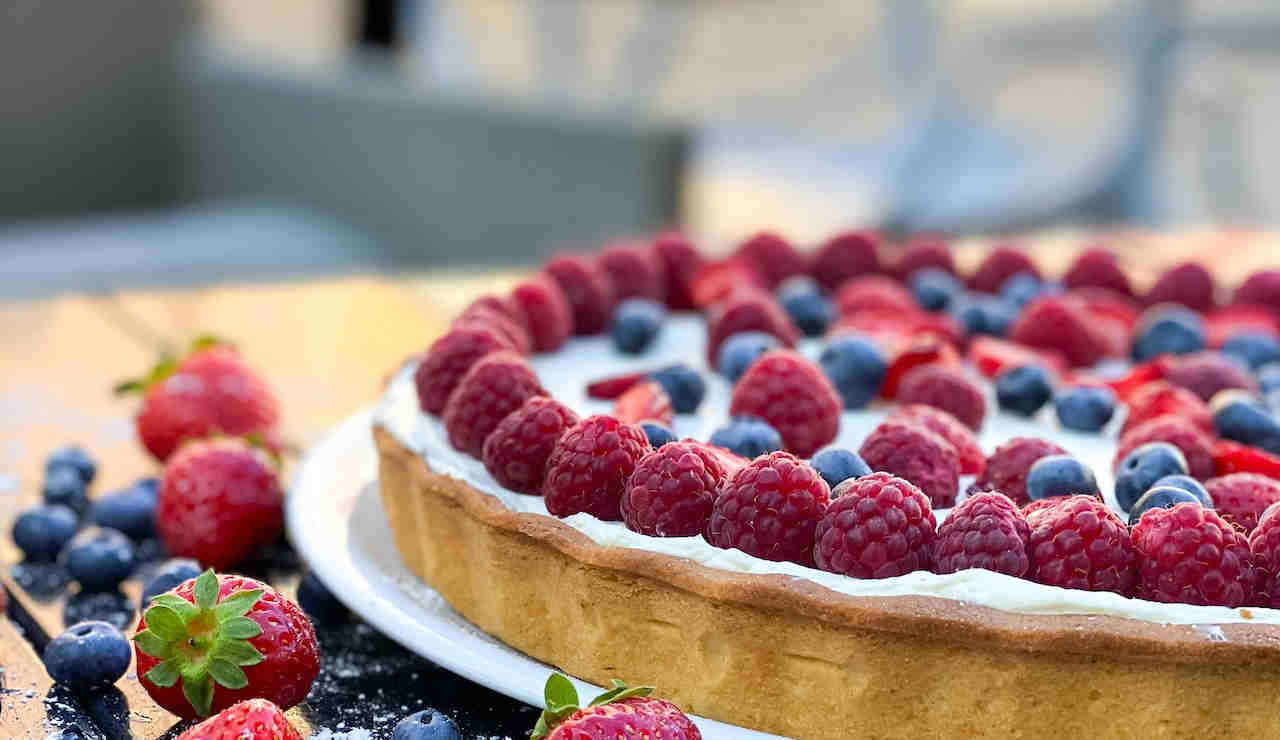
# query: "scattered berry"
{"points": [[747, 436], [1161, 398], [718, 281], [1160, 497], [319, 602], [1021, 289], [856, 368], [671, 491], [428, 724], [1188, 484], [1224, 323], [984, 315], [621, 712], [935, 288], [1242, 497], [587, 289], [804, 302], [1079, 543], [1253, 348], [1060, 324], [254, 719], [1208, 373], [948, 388], [1262, 288], [43, 531], [1060, 475], [1240, 417], [589, 465], [1269, 377], [910, 451], [1191, 555], [63, 486], [991, 356], [636, 322], [1195, 445], [480, 316], [75, 458], [99, 559], [504, 306], [1264, 545], [740, 350], [89, 655], [925, 252], [657, 434], [972, 459], [1085, 408], [1024, 389], [684, 385], [793, 396], [878, 526], [874, 293], [1189, 284], [769, 508], [680, 262], [448, 359], [515, 452], [1233, 457], [1007, 468], [845, 256], [923, 349], [1141, 468], [611, 387], [836, 465], [1097, 267], [167, 577], [1000, 264], [986, 530], [499, 383], [1167, 330], [773, 256], [747, 311], [633, 272], [644, 401], [546, 311], [131, 510]]}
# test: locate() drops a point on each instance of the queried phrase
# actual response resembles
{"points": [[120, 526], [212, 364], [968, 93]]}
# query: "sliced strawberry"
{"points": [[716, 280], [1223, 323], [1137, 377], [922, 349], [615, 385], [1233, 457], [1110, 304], [992, 355], [729, 460], [645, 401]]}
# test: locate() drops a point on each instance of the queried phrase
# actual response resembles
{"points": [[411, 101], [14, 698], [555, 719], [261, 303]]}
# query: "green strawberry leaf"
{"points": [[152, 644], [561, 699], [163, 675], [227, 675], [199, 691], [184, 608], [240, 628], [620, 692], [237, 604], [206, 590], [166, 623], [237, 652]]}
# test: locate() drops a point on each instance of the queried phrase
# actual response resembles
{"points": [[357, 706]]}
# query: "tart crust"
{"points": [[787, 656]]}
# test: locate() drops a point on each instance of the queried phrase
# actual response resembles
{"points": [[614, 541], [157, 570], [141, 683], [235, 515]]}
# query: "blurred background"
{"points": [[170, 142]]}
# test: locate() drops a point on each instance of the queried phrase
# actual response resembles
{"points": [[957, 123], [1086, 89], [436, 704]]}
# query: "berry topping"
{"points": [[515, 452], [1207, 373], [793, 396], [1060, 475], [1264, 545], [482, 316], [1022, 288], [680, 262], [878, 526], [1240, 417], [747, 311], [935, 289], [769, 508], [1189, 284], [42, 532], [99, 559], [615, 385], [1024, 389], [991, 356], [586, 288], [1008, 466], [1097, 267], [636, 322], [589, 466], [1161, 497], [718, 281], [671, 491], [1167, 330], [1000, 264], [922, 349], [1224, 323], [1188, 484], [1077, 542], [836, 465], [983, 314], [621, 712], [874, 293], [644, 401], [657, 434], [855, 366], [1060, 323], [254, 719], [925, 252], [633, 272], [1141, 468], [1085, 408], [685, 386], [1161, 398], [1253, 348], [494, 387], [1191, 555], [844, 256], [740, 350], [948, 388], [972, 460], [910, 451], [804, 302], [773, 256], [1196, 446], [448, 359], [1233, 457], [1262, 288], [1242, 497], [89, 655], [546, 311], [986, 530], [747, 436]]}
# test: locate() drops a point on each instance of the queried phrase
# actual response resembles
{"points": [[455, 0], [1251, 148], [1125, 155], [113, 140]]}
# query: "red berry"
{"points": [[872, 293], [877, 526], [1137, 377], [1079, 543], [639, 717], [646, 401], [255, 719], [1264, 545], [787, 390], [1233, 457], [747, 310], [587, 289], [633, 272], [1060, 323], [1097, 267], [681, 262], [717, 281], [448, 359], [1262, 288], [1196, 446], [281, 634], [769, 508], [991, 356], [943, 424], [946, 387], [1000, 264], [1206, 373], [1114, 316], [504, 306], [846, 255], [671, 491], [611, 387], [546, 311], [589, 465], [499, 383], [515, 452], [987, 531], [1241, 498], [922, 252], [773, 256], [1224, 323], [482, 316], [1008, 466], [912, 452], [924, 349], [219, 501], [1190, 555], [1159, 398], [1188, 283], [730, 461]]}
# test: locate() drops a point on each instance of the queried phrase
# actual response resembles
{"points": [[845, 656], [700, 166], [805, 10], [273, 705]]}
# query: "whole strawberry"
{"points": [[255, 719], [219, 501], [217, 640], [621, 712], [210, 391]]}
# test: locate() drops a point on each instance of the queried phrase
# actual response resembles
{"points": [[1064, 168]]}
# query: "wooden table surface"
{"points": [[324, 345]]}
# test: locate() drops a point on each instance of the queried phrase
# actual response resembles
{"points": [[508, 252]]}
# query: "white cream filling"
{"points": [[565, 374]]}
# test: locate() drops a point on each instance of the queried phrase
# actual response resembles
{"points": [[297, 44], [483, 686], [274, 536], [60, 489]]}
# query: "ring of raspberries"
{"points": [[1193, 422]]}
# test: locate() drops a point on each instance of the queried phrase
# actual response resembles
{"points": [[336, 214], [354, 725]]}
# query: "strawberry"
{"points": [[1233, 457], [255, 719], [615, 385], [715, 281], [645, 401], [622, 711], [991, 355], [217, 640], [923, 349], [210, 391], [1137, 377], [1224, 323], [219, 501]]}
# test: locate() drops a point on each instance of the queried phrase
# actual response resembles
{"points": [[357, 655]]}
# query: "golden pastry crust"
{"points": [[788, 656]]}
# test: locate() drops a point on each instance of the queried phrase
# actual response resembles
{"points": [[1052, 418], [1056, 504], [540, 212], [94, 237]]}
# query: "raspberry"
{"points": [[892, 328], [874, 292], [1206, 373], [448, 359], [1262, 288], [633, 271], [589, 466], [515, 452], [1061, 324], [1097, 267], [985, 531], [546, 311], [773, 256], [646, 401], [1241, 498], [1001, 263], [770, 508], [505, 306], [878, 526], [925, 349], [680, 261], [727, 459], [1264, 544], [910, 451], [790, 393], [943, 424], [1190, 555], [747, 310], [922, 252], [1008, 466], [991, 356], [946, 387], [846, 255], [1188, 283], [1118, 309], [1159, 398], [672, 490], [586, 288], [1195, 445], [499, 383], [1080, 543], [483, 316]]}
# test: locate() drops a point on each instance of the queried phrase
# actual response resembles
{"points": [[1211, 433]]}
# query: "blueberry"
{"points": [[1269, 377], [1160, 497], [1254, 348], [75, 458], [42, 532], [1021, 288], [747, 436], [1188, 484], [855, 367], [428, 724], [740, 350], [635, 323], [99, 559], [129, 510], [1060, 475], [318, 602], [804, 302], [1085, 408], [968, 311], [685, 386], [64, 486], [934, 288], [1141, 468], [89, 655], [657, 433], [1175, 331], [835, 464], [168, 576], [1023, 389], [997, 315], [1237, 416]]}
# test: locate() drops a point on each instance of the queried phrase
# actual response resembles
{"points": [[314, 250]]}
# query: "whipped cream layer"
{"points": [[565, 374]]}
